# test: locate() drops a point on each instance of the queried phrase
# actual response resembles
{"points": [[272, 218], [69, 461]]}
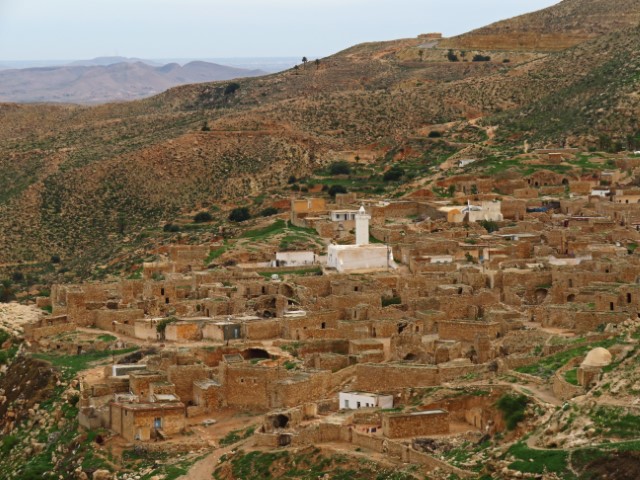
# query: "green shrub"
{"points": [[202, 217], [451, 56], [571, 376], [489, 225], [236, 435], [7, 293], [239, 214], [512, 408], [340, 168], [393, 174], [530, 460], [267, 212], [386, 301], [8, 443], [231, 88], [171, 227], [161, 327], [335, 189]]}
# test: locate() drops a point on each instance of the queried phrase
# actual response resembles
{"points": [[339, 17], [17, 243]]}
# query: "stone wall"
{"points": [[367, 441], [327, 361], [297, 391], [430, 422], [247, 386], [563, 389], [135, 422], [450, 372], [183, 376], [140, 382], [467, 331], [377, 378], [182, 331], [36, 333], [124, 329], [208, 397], [104, 319], [263, 329]]}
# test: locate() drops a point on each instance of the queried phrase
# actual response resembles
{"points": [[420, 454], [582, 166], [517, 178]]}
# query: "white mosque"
{"points": [[362, 256]]}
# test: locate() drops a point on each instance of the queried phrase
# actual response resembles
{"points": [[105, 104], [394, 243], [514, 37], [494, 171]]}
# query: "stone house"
{"points": [[146, 421], [405, 425]]}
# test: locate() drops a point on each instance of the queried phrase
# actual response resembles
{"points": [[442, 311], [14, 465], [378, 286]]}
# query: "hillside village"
{"points": [[412, 259], [428, 331]]}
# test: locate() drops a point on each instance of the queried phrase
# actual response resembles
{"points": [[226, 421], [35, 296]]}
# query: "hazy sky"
{"points": [[73, 29]]}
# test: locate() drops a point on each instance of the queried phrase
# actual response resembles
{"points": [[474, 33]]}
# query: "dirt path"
{"points": [[544, 395], [204, 468]]}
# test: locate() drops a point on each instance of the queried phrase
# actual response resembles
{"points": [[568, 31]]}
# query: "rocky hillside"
{"points": [[561, 26], [599, 98], [84, 182]]}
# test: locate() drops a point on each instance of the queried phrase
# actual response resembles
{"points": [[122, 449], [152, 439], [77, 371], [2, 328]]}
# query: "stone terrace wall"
{"points": [[104, 318], [367, 441], [412, 425], [563, 389], [467, 331], [448, 373], [386, 377], [43, 332], [263, 329]]}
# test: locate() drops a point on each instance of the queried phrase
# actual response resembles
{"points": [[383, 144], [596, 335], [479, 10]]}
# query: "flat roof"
{"points": [[207, 383], [416, 414], [370, 246], [368, 394], [150, 406], [165, 397]]}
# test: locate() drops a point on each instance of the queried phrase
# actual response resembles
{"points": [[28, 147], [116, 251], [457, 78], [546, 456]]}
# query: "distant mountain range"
{"points": [[106, 61], [108, 79]]}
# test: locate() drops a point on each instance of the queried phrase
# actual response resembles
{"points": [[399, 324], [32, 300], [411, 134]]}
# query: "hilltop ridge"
{"points": [[555, 28]]}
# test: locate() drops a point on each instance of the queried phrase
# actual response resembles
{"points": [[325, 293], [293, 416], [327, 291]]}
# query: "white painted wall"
{"points": [[355, 400], [345, 258], [295, 259]]}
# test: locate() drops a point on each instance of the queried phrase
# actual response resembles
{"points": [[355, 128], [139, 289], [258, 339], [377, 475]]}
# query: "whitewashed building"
{"points": [[356, 400], [294, 259], [362, 256]]}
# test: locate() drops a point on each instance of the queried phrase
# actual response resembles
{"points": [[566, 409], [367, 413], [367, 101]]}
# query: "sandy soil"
{"points": [[227, 421], [13, 316]]}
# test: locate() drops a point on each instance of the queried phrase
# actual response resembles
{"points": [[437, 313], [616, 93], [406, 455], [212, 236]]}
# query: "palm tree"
{"points": [[317, 63], [305, 60]]}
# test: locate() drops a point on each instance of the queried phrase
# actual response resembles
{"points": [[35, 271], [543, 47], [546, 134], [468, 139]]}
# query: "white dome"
{"points": [[598, 357]]}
